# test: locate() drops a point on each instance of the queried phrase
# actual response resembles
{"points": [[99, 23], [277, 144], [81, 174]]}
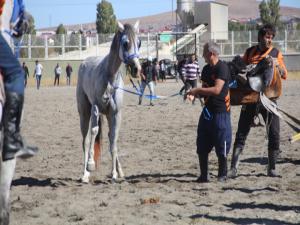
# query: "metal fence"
{"points": [[77, 46]]}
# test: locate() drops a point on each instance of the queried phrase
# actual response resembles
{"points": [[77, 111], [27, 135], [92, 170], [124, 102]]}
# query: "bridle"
{"points": [[126, 56]]}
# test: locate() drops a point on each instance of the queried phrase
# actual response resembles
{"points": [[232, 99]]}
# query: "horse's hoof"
{"points": [[91, 166], [85, 180], [120, 174]]}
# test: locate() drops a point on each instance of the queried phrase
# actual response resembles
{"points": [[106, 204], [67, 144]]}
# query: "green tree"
{"points": [[106, 20], [269, 12], [61, 29], [31, 26]]}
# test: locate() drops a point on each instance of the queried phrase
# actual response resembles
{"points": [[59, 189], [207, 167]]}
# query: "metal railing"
{"points": [[77, 46]]}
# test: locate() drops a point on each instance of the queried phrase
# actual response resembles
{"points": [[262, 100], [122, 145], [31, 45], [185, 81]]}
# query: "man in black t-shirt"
{"points": [[214, 127]]}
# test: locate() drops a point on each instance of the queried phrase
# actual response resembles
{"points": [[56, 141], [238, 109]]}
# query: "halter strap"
{"points": [[126, 56]]}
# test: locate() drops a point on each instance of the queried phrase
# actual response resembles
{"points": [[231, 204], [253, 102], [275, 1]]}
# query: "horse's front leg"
{"points": [[94, 129], [6, 176], [114, 120]]}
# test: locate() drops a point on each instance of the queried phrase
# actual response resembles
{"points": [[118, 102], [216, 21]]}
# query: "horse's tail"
{"points": [[98, 143]]}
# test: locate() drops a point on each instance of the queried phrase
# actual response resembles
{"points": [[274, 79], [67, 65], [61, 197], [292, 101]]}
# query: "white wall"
{"points": [[216, 15]]}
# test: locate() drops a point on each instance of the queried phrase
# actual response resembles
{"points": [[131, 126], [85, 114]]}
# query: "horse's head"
{"points": [[129, 44]]}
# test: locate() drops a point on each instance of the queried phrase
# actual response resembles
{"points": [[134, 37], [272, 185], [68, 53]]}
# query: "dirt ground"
{"points": [[158, 154]]}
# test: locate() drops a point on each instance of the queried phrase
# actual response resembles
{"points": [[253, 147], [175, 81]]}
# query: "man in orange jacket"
{"points": [[254, 55]]}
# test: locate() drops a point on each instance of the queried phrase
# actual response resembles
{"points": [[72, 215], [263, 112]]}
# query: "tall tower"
{"points": [[185, 11]]}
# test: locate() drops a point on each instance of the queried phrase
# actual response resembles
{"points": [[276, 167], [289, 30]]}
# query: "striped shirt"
{"points": [[191, 70]]}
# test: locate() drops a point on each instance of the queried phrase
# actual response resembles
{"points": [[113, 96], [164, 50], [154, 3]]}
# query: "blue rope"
{"points": [[153, 97]]}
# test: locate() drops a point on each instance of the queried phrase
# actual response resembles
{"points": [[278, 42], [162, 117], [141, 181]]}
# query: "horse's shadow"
{"points": [[150, 178], [264, 160], [271, 206], [250, 191], [161, 178], [48, 182], [265, 221]]}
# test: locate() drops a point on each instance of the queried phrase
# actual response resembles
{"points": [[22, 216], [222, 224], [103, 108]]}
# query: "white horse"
{"points": [[99, 93], [7, 169]]}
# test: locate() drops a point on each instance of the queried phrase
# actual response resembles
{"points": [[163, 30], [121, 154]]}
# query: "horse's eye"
{"points": [[126, 45], [125, 42], [139, 43]]}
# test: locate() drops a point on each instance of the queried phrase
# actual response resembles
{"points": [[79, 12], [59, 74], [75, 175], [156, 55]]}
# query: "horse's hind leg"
{"points": [[84, 109], [94, 128], [119, 168], [114, 120], [6, 175]]}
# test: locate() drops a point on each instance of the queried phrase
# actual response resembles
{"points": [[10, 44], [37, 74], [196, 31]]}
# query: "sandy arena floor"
{"points": [[158, 154]]}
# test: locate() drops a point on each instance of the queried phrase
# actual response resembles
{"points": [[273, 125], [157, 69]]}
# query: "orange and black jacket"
{"points": [[254, 56], [1, 6]]}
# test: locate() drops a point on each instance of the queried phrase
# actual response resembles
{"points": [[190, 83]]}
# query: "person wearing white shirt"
{"points": [[57, 72], [38, 73]]}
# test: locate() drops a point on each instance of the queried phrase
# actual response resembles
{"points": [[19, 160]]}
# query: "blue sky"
{"points": [[53, 12]]}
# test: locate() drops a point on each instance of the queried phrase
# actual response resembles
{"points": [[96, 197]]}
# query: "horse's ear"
{"points": [[121, 26], [136, 26]]}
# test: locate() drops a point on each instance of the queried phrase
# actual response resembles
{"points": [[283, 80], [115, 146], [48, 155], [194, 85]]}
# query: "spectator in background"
{"points": [[157, 67], [57, 73], [69, 71], [26, 73], [148, 77], [191, 73], [38, 73], [176, 70], [163, 71], [179, 68]]}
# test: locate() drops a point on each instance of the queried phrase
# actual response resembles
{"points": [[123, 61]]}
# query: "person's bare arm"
{"points": [[208, 91]]}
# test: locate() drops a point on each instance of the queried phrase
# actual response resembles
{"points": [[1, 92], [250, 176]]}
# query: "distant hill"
{"points": [[241, 10]]}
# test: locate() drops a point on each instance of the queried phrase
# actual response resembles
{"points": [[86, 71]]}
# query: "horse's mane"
{"points": [[129, 31]]}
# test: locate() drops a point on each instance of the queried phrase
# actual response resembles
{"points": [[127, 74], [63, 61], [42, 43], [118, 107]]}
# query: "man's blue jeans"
{"points": [[13, 74]]}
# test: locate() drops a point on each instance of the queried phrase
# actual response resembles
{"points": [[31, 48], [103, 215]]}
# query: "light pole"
{"points": [[172, 12]]}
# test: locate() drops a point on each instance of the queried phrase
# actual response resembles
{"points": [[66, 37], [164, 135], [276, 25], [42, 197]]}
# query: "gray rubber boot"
{"points": [[272, 158], [234, 162]]}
